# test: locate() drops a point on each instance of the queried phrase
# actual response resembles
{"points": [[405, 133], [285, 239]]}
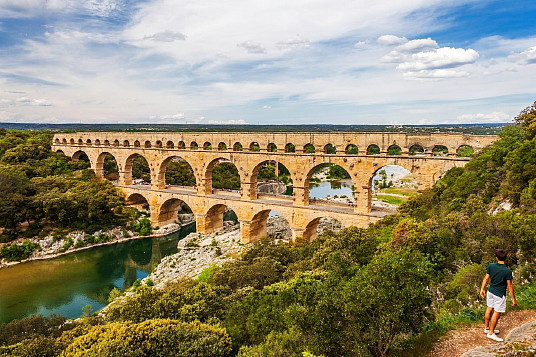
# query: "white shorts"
{"points": [[496, 303]]}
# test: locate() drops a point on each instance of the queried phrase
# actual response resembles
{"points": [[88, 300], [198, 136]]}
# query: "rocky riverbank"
{"points": [[53, 246], [200, 251]]}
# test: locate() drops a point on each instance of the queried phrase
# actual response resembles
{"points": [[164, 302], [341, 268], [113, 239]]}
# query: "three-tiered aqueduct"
{"points": [[203, 150]]}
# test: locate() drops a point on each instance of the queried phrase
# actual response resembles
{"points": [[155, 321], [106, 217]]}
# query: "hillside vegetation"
{"points": [[390, 289]]}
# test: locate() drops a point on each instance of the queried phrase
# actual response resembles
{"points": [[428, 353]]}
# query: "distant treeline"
{"points": [[484, 129]]}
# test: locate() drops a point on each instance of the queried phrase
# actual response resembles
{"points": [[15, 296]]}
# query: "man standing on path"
{"points": [[501, 278]]}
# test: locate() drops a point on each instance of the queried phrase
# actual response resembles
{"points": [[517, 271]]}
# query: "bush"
{"points": [[18, 252], [156, 338]]}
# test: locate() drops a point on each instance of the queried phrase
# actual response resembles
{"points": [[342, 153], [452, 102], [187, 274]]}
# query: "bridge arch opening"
{"points": [[465, 151], [351, 149], [254, 146], [238, 147], [147, 144], [116, 142], [97, 142], [126, 143], [271, 147], [88, 142], [181, 145], [139, 202], [158, 144], [272, 178], [80, 142], [394, 150], [319, 226], [57, 141], [64, 141], [222, 146], [373, 149], [194, 145], [330, 149], [290, 147], [216, 218], [106, 142], [309, 149], [71, 141], [207, 146], [267, 223], [137, 170], [107, 166], [80, 156], [170, 145], [330, 184], [176, 211], [137, 144], [391, 185], [223, 175], [416, 150], [175, 171], [440, 150]]}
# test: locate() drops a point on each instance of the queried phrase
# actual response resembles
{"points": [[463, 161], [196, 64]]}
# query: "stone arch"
{"points": [[416, 149], [342, 175], [181, 145], [397, 180], [440, 150], [136, 199], [254, 146], [64, 141], [80, 142], [81, 155], [222, 146], [465, 151], [158, 144], [57, 141], [71, 141], [194, 146], [169, 211], [290, 147], [187, 179], [207, 146], [106, 142], [97, 142], [88, 142], [271, 147], [116, 142], [126, 143], [271, 173], [256, 228], [59, 151], [170, 145], [351, 149], [373, 149], [238, 147], [309, 148], [394, 150], [311, 230], [128, 166], [330, 149], [147, 144], [213, 219], [137, 144], [106, 168], [229, 180]]}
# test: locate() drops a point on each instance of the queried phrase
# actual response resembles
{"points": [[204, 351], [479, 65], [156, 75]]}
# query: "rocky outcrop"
{"points": [[272, 187]]}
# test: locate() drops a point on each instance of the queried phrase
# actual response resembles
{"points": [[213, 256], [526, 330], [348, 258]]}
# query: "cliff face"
{"points": [[277, 188]]}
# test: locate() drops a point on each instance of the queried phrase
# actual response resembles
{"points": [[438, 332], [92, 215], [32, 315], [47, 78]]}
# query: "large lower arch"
{"points": [[213, 219], [328, 183], [221, 174], [136, 167], [176, 171], [257, 228], [136, 199], [273, 175], [172, 210], [390, 186], [316, 226], [107, 167]]}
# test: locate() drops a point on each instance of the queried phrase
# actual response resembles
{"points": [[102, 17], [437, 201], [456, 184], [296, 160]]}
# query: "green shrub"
{"points": [[158, 338], [17, 252]]}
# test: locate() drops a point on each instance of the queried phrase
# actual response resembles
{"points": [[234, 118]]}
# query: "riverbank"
{"points": [[51, 248]]}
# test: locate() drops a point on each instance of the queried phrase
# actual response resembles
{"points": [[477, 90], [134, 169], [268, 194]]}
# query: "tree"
{"points": [[15, 189], [527, 120]]}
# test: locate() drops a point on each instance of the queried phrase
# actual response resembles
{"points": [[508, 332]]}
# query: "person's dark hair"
{"points": [[501, 254]]}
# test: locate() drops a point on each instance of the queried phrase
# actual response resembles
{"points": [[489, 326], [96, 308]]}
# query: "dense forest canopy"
{"points": [[339, 295]]}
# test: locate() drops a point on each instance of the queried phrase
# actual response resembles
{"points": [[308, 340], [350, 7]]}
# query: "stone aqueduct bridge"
{"points": [[204, 150]]}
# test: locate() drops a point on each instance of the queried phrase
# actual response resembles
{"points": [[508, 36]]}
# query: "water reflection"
{"points": [[331, 188], [66, 284]]}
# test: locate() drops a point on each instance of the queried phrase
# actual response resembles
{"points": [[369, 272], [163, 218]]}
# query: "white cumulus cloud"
{"points": [[526, 57], [493, 117], [435, 74], [390, 40], [445, 57], [418, 44]]}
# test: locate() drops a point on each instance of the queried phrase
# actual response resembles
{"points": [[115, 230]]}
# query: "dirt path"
{"points": [[456, 342]]}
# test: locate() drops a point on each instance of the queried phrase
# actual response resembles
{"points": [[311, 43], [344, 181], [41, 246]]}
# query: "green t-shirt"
{"points": [[499, 274]]}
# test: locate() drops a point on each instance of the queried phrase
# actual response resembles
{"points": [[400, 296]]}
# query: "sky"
{"points": [[266, 61]]}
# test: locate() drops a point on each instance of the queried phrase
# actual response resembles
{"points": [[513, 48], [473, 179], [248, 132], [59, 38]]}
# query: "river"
{"points": [[64, 285]]}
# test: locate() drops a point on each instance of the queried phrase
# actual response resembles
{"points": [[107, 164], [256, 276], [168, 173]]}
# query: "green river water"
{"points": [[65, 284]]}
